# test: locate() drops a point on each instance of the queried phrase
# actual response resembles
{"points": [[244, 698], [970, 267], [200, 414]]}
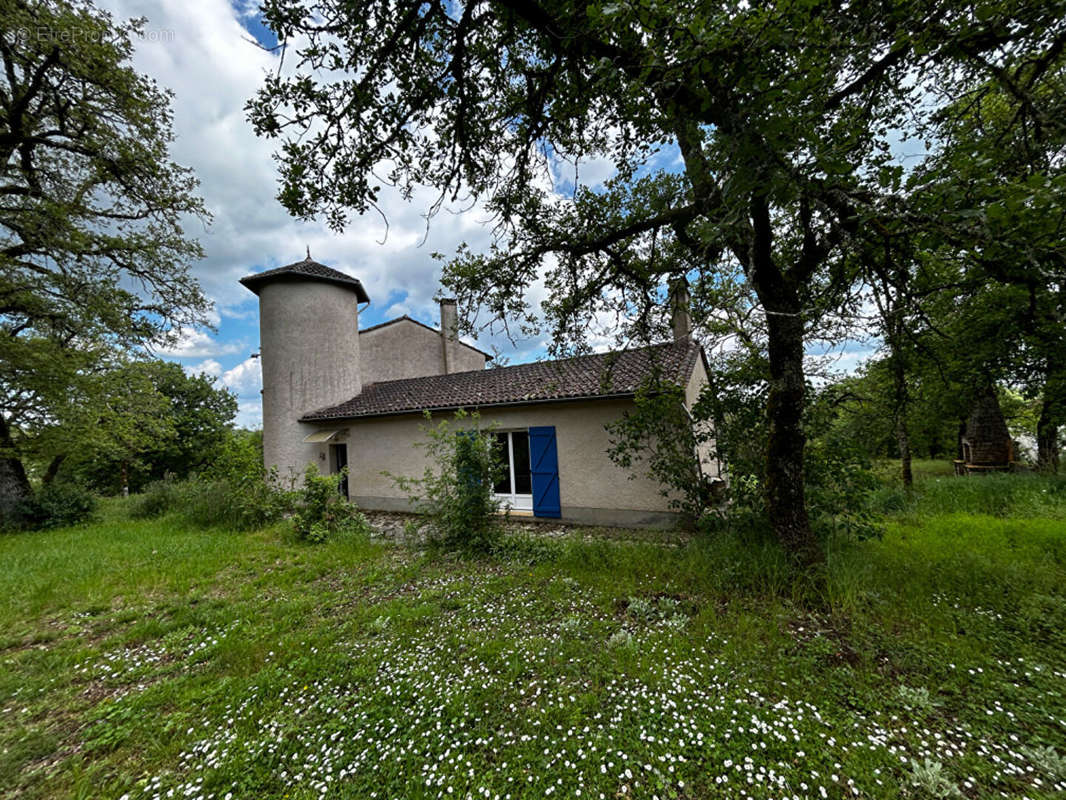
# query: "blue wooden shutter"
{"points": [[544, 465]]}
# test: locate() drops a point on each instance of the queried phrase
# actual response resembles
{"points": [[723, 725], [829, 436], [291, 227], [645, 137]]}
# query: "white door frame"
{"points": [[512, 500]]}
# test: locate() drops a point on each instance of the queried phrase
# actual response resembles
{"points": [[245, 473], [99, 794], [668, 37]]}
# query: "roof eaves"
{"points": [[306, 271]]}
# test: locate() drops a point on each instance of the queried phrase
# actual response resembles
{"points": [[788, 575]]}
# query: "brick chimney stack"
{"points": [[679, 309], [449, 333]]}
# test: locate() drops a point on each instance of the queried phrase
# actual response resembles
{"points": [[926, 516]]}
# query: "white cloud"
{"points": [[207, 367], [200, 344], [245, 378], [208, 61], [249, 414], [213, 70]]}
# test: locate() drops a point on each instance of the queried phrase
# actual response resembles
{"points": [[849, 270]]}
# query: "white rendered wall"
{"points": [[592, 488], [309, 346]]}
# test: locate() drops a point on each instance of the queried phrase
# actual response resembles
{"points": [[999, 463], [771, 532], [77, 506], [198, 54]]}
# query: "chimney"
{"points": [[679, 305], [449, 333]]}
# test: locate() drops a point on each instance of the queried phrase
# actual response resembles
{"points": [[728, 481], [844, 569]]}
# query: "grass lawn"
{"points": [[143, 659]]}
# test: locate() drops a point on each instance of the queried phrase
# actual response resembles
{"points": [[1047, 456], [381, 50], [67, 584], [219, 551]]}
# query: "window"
{"points": [[515, 487]]}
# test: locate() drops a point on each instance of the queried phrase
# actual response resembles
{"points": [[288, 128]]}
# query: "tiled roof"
{"points": [[617, 374], [306, 270]]}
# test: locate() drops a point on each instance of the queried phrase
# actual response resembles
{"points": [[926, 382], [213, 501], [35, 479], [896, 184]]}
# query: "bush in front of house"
{"points": [[55, 505], [158, 498], [234, 492], [322, 512], [213, 502], [457, 490]]}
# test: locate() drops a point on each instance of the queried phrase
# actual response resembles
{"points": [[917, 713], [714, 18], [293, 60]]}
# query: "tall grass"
{"points": [[1019, 495], [990, 539]]}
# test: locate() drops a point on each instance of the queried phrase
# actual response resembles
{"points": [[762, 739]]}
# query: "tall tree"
{"points": [[194, 418], [123, 417], [779, 114], [995, 195], [92, 251]]}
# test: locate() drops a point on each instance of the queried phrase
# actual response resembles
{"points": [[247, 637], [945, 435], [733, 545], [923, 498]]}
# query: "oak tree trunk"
{"points": [[785, 493], [786, 503], [902, 400], [1047, 439], [14, 485], [903, 440], [53, 469]]}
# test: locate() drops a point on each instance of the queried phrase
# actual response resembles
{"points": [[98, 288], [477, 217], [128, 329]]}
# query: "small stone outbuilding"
{"points": [[986, 443]]}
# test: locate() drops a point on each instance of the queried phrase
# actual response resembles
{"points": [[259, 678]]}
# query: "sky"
{"points": [[208, 53], [205, 52]]}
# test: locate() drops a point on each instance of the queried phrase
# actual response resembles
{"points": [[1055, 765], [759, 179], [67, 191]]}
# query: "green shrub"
{"points": [[213, 503], [839, 486], [840, 482], [659, 439], [54, 506], [158, 498], [234, 492], [240, 459], [321, 512], [235, 504], [457, 490]]}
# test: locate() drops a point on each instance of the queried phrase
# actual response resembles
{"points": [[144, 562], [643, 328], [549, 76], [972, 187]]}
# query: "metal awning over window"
{"points": [[318, 437]]}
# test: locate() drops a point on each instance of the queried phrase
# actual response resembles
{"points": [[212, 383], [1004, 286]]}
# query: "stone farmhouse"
{"points": [[335, 396]]}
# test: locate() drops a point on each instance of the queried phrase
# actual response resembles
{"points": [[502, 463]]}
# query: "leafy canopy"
{"points": [[93, 254]]}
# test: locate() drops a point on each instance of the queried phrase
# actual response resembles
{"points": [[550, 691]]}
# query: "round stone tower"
{"points": [[309, 350]]}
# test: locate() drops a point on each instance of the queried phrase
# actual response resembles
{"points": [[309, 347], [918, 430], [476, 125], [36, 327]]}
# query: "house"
{"points": [[336, 396]]}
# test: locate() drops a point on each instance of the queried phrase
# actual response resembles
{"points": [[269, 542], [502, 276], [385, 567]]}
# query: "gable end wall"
{"points": [[405, 349]]}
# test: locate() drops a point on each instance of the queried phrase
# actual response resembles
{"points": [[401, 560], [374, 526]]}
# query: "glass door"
{"points": [[514, 490]]}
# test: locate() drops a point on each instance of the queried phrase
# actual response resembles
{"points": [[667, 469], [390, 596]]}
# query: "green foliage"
{"points": [[838, 470], [158, 498], [234, 492], [55, 505], [839, 484], [456, 491], [321, 512], [94, 259], [119, 418], [735, 401], [1047, 760], [195, 417], [248, 496], [661, 439], [932, 780]]}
